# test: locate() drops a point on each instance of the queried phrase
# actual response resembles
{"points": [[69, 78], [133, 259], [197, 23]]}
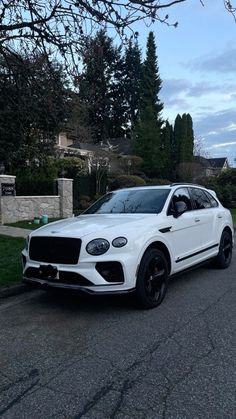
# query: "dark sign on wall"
{"points": [[8, 189]]}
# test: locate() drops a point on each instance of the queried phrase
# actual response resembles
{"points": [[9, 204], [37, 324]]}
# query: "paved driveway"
{"points": [[74, 357]]}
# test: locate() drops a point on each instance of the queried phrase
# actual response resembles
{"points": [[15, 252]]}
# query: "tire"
{"points": [[152, 280], [223, 259]]}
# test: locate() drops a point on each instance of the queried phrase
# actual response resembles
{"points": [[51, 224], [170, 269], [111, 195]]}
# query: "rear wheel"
{"points": [[152, 280], [223, 259]]}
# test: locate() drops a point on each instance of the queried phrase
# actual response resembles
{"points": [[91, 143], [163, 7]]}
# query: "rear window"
{"points": [[212, 200], [200, 198]]}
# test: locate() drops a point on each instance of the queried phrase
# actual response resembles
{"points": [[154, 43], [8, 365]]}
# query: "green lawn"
{"points": [[10, 259], [29, 224]]}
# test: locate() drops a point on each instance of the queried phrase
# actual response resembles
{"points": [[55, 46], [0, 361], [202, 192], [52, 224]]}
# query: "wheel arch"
{"points": [[228, 229], [163, 248]]}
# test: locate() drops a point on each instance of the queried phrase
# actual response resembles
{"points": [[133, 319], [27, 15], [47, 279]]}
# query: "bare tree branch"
{"points": [[58, 26]]}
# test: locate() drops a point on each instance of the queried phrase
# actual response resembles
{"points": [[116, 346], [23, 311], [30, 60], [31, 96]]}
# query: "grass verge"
{"points": [[10, 260], [29, 224]]}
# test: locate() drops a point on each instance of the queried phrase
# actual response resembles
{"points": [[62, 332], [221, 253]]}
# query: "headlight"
{"points": [[97, 247], [119, 242]]}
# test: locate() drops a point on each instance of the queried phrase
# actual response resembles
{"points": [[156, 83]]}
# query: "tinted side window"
{"points": [[212, 200], [180, 194], [200, 198]]}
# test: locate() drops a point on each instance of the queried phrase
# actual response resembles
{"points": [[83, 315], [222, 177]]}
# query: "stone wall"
{"points": [[27, 207], [65, 191], [15, 208]]}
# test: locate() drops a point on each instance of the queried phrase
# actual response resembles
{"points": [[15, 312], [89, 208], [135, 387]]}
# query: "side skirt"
{"points": [[192, 268], [196, 253]]}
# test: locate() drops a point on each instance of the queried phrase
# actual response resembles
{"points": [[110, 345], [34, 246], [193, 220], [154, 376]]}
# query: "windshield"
{"points": [[141, 201]]}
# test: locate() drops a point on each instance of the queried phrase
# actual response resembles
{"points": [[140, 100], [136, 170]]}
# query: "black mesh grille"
{"points": [[55, 250], [70, 278]]}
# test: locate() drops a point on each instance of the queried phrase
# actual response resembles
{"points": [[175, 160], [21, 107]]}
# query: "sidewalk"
{"points": [[14, 231]]}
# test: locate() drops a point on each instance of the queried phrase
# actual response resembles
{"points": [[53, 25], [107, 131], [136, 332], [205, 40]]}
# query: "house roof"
{"points": [[214, 163], [218, 162], [117, 145]]}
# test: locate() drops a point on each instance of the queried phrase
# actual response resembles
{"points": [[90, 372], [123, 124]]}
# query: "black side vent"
{"points": [[111, 271], [62, 250]]}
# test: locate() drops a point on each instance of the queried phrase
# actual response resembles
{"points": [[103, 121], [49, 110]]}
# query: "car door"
{"points": [[185, 240], [209, 218]]}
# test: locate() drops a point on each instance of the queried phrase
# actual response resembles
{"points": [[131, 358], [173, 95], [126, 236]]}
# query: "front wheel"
{"points": [[223, 259], [152, 280]]}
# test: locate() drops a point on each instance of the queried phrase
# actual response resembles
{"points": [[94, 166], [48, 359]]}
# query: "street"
{"points": [[95, 358]]}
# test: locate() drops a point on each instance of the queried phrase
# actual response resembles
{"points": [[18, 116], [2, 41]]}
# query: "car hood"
{"points": [[87, 224]]}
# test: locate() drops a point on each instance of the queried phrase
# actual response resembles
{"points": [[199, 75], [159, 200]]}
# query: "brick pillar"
{"points": [[7, 188], [65, 191]]}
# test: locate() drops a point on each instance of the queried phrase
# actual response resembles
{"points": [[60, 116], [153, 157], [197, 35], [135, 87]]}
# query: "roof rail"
{"points": [[185, 183]]}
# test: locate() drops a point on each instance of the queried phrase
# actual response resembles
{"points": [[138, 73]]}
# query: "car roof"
{"points": [[167, 186]]}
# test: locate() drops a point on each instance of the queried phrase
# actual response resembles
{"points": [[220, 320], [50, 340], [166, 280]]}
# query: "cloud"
{"points": [[222, 145], [174, 89], [223, 62], [222, 122], [204, 88], [217, 131]]}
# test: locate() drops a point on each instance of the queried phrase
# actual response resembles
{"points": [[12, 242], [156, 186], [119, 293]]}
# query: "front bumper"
{"points": [[46, 284], [95, 277]]}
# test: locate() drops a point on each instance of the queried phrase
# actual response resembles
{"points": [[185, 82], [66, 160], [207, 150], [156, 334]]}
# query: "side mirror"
{"points": [[180, 208]]}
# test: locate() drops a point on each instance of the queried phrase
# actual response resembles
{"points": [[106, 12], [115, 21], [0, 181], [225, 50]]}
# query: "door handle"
{"points": [[197, 220], [219, 216]]}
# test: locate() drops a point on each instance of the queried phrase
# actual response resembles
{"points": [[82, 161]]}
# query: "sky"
{"points": [[197, 65]]}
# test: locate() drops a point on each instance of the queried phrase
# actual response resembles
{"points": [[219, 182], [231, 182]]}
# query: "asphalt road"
{"points": [[98, 358]]}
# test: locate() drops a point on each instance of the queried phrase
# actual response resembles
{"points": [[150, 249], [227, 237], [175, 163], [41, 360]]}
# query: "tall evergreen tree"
{"points": [[190, 136], [166, 145], [151, 81], [147, 143], [147, 139], [183, 138], [132, 81], [101, 86]]}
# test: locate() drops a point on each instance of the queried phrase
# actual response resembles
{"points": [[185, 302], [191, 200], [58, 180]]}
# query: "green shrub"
{"points": [[158, 181], [126, 181], [224, 185], [84, 202], [71, 167]]}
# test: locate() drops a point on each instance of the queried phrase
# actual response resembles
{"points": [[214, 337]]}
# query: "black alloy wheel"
{"points": [[152, 281], [223, 259]]}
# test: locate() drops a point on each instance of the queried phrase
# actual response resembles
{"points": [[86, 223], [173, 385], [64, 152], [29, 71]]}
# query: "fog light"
{"points": [[119, 242]]}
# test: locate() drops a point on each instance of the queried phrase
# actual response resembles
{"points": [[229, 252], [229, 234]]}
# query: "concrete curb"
{"points": [[12, 290]]}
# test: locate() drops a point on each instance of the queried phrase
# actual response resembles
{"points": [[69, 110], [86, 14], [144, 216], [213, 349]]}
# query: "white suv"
{"points": [[132, 240]]}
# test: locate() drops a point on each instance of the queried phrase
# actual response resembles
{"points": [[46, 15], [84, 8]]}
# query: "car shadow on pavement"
{"points": [[73, 301]]}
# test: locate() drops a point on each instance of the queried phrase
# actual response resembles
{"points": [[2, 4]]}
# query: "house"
{"points": [[67, 146], [216, 166], [212, 166], [106, 153]]}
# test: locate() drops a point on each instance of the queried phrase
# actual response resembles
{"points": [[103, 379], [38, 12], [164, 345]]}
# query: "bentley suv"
{"points": [[132, 239]]}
